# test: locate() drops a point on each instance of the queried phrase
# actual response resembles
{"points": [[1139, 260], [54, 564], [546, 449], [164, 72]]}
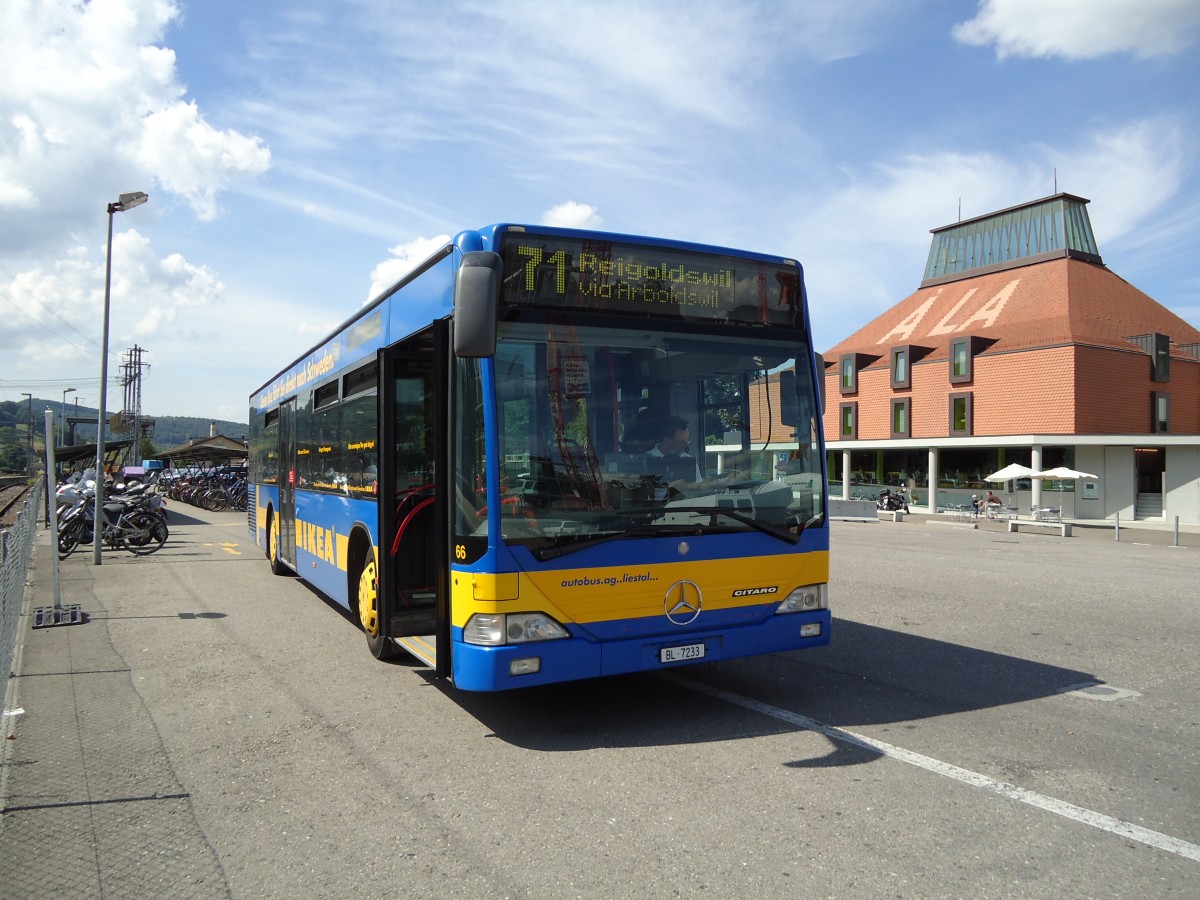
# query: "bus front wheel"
{"points": [[277, 565], [381, 646]]}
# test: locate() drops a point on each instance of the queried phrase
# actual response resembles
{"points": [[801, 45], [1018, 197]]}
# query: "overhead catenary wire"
{"points": [[51, 385], [7, 297]]}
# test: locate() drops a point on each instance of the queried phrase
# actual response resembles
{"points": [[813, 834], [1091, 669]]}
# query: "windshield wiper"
{"points": [[786, 536], [675, 529], [578, 543], [634, 530]]}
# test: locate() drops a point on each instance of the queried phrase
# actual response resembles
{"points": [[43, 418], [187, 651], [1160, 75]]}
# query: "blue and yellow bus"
{"points": [[604, 455]]}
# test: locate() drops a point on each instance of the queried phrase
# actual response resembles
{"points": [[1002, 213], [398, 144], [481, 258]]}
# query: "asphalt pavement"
{"points": [[208, 729]]}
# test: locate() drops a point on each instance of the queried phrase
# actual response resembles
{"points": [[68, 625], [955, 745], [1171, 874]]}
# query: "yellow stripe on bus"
{"points": [[630, 592]]}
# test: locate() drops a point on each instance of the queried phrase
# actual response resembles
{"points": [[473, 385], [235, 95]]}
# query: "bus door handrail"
{"points": [[408, 520]]}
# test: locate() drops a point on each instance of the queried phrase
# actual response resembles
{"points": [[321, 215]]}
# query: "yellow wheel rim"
{"points": [[273, 540], [368, 600]]}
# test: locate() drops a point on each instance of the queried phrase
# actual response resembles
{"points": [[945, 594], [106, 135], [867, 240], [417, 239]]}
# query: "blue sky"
{"points": [[300, 155]]}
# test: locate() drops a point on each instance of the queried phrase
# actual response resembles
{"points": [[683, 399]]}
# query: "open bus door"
{"points": [[414, 541], [283, 558]]}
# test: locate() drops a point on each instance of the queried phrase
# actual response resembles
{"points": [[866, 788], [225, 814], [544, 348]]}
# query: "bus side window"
{"points": [[360, 427], [325, 435]]}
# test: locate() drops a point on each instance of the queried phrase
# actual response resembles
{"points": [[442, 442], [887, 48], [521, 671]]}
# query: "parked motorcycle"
{"points": [[892, 501]]}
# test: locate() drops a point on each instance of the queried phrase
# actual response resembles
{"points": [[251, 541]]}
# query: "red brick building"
{"points": [[1021, 346]]}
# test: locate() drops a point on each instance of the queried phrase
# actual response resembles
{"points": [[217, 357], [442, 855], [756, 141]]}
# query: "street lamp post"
{"points": [[62, 414], [124, 202]]}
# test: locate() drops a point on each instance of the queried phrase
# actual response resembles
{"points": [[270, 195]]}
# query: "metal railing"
{"points": [[16, 546]]}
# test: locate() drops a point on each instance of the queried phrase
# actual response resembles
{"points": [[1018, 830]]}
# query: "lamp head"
{"points": [[128, 201]]}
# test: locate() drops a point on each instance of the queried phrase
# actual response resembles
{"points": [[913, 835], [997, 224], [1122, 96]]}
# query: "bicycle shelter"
{"points": [[205, 454]]}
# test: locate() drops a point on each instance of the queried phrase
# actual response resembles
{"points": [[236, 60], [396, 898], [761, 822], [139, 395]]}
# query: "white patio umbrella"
{"points": [[1010, 472], [1061, 474]]}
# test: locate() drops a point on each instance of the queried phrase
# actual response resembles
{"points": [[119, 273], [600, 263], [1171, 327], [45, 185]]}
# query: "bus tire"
{"points": [[278, 567], [366, 605]]}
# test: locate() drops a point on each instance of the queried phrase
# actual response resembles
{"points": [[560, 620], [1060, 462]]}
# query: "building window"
{"points": [[1158, 347], [848, 430], [1161, 358], [960, 415], [901, 372], [900, 418], [849, 374], [1160, 412], [960, 361]]}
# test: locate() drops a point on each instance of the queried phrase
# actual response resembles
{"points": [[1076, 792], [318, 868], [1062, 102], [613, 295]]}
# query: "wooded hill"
{"points": [[169, 431]]}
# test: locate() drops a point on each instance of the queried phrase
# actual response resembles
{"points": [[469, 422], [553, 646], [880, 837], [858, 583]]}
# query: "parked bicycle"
{"points": [[214, 492], [134, 521]]}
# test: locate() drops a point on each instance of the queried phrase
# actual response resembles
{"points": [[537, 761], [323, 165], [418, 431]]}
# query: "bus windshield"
{"points": [[607, 432]]}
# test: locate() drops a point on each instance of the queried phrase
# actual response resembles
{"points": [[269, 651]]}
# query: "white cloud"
{"points": [[189, 157], [69, 296], [405, 258], [572, 215], [1083, 29], [51, 316], [91, 105], [54, 315], [1131, 172], [616, 86]]}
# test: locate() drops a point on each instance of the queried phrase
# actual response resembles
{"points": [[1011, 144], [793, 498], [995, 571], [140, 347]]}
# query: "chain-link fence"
{"points": [[16, 544]]}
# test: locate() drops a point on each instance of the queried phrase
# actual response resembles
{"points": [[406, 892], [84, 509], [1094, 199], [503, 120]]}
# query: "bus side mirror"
{"points": [[476, 304]]}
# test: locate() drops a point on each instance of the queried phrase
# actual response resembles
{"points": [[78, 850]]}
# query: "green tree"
{"points": [[13, 455]]}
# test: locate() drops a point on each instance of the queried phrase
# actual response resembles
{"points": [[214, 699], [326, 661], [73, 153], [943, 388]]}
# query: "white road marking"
{"points": [[965, 776], [1090, 690]]}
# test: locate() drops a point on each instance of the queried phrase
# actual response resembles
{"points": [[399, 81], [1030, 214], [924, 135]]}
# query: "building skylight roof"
{"points": [[1050, 228]]}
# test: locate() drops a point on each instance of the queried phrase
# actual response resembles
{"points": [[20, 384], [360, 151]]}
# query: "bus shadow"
{"points": [[868, 676], [901, 677], [175, 517]]}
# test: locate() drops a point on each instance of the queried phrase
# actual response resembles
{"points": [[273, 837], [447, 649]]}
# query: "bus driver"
{"points": [[673, 441]]}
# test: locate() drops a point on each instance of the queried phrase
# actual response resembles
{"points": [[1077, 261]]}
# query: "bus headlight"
{"points": [[525, 627], [496, 629], [805, 599]]}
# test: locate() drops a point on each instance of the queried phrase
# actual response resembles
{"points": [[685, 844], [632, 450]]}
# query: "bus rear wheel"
{"points": [[367, 603]]}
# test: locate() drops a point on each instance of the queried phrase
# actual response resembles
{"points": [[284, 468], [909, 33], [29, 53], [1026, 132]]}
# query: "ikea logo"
{"points": [[320, 542]]}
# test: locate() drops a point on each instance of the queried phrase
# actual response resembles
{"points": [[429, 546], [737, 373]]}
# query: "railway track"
{"points": [[11, 497]]}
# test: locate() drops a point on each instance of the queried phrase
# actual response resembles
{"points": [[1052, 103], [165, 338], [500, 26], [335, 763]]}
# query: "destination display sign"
{"points": [[604, 275]]}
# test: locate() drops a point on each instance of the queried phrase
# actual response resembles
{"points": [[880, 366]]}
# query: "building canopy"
{"points": [[218, 450]]}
